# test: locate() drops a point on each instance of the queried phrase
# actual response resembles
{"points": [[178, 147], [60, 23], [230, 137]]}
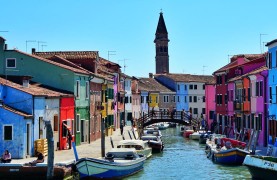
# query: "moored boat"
{"points": [[187, 133], [118, 163], [28, 171], [142, 147], [261, 167], [154, 142], [226, 151]]}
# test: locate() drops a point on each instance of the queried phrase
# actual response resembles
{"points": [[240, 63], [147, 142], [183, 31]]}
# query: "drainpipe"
{"points": [[250, 99], [103, 123], [265, 110]]}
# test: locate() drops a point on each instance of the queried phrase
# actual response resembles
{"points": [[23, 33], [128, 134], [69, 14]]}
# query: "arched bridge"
{"points": [[162, 116]]}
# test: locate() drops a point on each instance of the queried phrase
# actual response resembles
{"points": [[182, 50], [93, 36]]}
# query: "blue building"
{"points": [[23, 108], [190, 91], [272, 90]]}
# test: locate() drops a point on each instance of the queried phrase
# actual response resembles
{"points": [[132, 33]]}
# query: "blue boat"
{"points": [[118, 163], [234, 156]]}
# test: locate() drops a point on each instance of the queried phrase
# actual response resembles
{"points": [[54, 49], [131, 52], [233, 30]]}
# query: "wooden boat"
{"points": [[154, 142], [234, 155], [141, 146], [261, 167], [28, 171], [118, 163]]}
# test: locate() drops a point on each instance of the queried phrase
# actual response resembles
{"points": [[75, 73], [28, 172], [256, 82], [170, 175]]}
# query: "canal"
{"points": [[186, 159]]}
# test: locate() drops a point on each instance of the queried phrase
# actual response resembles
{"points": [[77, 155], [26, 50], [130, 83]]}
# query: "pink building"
{"points": [[210, 103]]}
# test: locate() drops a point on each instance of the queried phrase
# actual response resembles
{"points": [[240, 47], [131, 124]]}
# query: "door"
{"points": [[28, 139], [84, 131], [40, 127], [56, 132]]}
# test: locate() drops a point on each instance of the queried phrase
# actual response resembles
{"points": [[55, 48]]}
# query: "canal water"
{"points": [[185, 159]]}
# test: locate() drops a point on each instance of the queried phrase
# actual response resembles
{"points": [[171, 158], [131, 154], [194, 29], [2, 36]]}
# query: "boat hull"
{"points": [[233, 156], [103, 169], [261, 167]]}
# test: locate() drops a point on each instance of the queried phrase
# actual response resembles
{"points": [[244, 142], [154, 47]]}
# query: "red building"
{"points": [[66, 117]]}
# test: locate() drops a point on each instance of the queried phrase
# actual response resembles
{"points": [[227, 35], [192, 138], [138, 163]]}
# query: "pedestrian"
{"points": [[69, 138], [121, 126], [6, 157]]}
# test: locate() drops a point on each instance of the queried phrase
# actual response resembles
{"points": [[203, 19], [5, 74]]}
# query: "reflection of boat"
{"points": [[118, 163], [141, 146], [219, 152], [154, 142], [261, 167]]}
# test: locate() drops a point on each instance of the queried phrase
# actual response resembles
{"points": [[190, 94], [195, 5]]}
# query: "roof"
{"points": [[161, 28], [76, 70], [188, 77], [255, 71], [271, 42], [8, 108], [35, 89], [151, 84], [234, 62]]}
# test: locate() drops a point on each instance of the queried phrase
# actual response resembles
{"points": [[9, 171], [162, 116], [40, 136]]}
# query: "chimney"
{"points": [[5, 47], [25, 81], [33, 50], [150, 75]]}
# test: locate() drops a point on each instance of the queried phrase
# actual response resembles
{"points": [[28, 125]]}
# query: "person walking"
{"points": [[69, 138]]}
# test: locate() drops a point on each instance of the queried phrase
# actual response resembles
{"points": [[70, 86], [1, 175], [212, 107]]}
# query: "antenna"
{"points": [[43, 45], [261, 41], [229, 55], [204, 69], [28, 41], [111, 53], [40, 42], [124, 65]]}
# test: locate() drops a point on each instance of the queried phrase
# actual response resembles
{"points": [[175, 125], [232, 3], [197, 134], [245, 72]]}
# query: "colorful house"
{"points": [[136, 99], [210, 103], [190, 91], [272, 91], [34, 102], [64, 76]]}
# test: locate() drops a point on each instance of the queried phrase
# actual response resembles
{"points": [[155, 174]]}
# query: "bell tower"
{"points": [[161, 42]]}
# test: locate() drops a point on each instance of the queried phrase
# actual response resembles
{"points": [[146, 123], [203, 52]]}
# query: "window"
{"points": [[11, 63], [226, 98], [203, 110], [130, 99], [195, 111], [195, 99], [56, 123], [261, 88], [269, 61], [195, 86], [8, 132], [178, 86], [150, 99], [248, 97], [203, 87], [190, 86], [156, 99], [185, 99], [77, 89], [178, 98], [126, 99], [190, 98], [78, 122], [142, 99], [165, 99], [219, 79], [211, 114], [87, 89], [174, 99], [270, 94], [204, 99], [185, 87]]}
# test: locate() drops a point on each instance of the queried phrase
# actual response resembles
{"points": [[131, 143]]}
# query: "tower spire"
{"points": [[161, 41]]}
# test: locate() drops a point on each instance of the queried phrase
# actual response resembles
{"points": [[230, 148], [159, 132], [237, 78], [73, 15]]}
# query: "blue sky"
{"points": [[201, 32]]}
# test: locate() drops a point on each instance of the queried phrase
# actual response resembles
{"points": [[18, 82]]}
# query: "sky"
{"points": [[204, 34]]}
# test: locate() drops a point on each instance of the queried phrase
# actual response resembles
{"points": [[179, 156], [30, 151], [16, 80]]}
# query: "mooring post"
{"points": [[111, 142]]}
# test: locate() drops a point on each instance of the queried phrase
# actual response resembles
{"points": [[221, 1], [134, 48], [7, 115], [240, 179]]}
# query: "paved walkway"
{"points": [[85, 150]]}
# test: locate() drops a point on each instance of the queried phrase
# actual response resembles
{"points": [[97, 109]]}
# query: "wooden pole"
{"points": [[50, 142]]}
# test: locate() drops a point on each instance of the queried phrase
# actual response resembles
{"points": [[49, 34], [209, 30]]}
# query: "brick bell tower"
{"points": [[161, 42]]}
